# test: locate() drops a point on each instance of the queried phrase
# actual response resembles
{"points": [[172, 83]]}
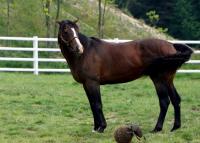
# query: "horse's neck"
{"points": [[85, 41], [69, 56]]}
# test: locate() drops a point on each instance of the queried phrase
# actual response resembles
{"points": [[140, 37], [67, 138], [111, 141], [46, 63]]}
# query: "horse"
{"points": [[94, 62]]}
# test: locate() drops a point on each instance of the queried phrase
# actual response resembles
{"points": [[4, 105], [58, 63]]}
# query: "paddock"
{"points": [[54, 108]]}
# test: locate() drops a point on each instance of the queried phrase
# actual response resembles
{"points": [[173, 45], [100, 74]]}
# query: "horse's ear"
{"points": [[75, 21]]}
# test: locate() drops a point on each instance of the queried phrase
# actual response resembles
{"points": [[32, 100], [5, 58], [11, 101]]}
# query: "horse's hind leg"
{"points": [[161, 86], [165, 87], [176, 100]]}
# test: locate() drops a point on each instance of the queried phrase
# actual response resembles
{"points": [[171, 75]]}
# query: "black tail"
{"points": [[171, 62], [183, 51]]}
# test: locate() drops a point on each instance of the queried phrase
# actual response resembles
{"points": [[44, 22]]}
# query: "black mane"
{"points": [[88, 41], [96, 39]]}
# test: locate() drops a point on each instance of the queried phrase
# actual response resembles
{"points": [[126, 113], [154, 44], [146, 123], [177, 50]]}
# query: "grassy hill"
{"points": [[27, 19]]}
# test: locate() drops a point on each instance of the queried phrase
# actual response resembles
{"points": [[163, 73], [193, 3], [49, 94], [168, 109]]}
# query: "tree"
{"points": [[9, 2], [153, 17], [101, 19], [58, 2], [123, 3], [46, 10], [184, 23], [180, 17]]}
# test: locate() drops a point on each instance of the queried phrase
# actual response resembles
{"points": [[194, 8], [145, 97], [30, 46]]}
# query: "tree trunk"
{"points": [[8, 17], [57, 17], [100, 20], [46, 10], [47, 16], [103, 18]]}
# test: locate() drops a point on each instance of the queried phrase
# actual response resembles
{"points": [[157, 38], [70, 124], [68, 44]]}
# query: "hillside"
{"points": [[28, 19]]}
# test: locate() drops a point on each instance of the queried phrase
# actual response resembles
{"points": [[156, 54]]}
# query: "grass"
{"points": [[54, 109]]}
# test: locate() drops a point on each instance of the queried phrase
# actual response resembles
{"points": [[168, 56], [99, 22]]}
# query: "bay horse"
{"points": [[94, 62]]}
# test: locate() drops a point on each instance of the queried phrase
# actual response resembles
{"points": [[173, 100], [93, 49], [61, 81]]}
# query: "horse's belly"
{"points": [[121, 77]]}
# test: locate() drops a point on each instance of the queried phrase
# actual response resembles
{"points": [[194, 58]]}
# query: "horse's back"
{"points": [[123, 62], [156, 47], [120, 62]]}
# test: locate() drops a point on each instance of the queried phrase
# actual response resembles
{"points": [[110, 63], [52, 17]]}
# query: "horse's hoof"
{"points": [[100, 130], [175, 127], [156, 130]]}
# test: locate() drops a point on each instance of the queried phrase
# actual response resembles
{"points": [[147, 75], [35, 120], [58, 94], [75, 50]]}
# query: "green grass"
{"points": [[54, 109]]}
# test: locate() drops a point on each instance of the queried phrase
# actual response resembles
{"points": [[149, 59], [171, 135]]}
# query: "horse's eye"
{"points": [[65, 30]]}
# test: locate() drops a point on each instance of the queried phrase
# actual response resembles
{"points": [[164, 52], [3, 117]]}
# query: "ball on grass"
{"points": [[125, 133]]}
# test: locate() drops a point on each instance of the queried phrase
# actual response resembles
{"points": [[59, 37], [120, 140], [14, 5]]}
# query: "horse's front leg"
{"points": [[92, 89]]}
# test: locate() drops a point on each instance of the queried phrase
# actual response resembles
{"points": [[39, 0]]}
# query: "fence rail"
{"points": [[36, 49]]}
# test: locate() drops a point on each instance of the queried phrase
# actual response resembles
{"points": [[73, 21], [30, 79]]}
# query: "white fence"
{"points": [[35, 59]]}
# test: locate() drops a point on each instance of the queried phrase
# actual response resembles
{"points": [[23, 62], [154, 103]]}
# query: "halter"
{"points": [[67, 42], [80, 46]]}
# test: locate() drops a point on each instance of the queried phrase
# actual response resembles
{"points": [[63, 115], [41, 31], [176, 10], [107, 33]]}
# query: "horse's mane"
{"points": [[88, 41], [96, 39]]}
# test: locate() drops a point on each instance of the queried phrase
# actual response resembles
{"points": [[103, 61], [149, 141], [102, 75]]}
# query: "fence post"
{"points": [[35, 55]]}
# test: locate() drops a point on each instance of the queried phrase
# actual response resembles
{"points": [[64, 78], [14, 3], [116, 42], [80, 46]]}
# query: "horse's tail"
{"points": [[183, 52], [171, 62]]}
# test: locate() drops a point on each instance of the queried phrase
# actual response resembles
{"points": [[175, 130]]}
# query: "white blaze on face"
{"points": [[80, 46]]}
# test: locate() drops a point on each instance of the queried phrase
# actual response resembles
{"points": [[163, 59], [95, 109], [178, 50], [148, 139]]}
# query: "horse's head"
{"points": [[68, 34]]}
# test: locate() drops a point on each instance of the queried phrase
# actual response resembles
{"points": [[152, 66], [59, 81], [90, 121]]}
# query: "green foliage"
{"points": [[180, 17], [110, 1], [162, 30], [45, 9], [184, 22], [54, 109], [153, 17], [28, 19]]}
